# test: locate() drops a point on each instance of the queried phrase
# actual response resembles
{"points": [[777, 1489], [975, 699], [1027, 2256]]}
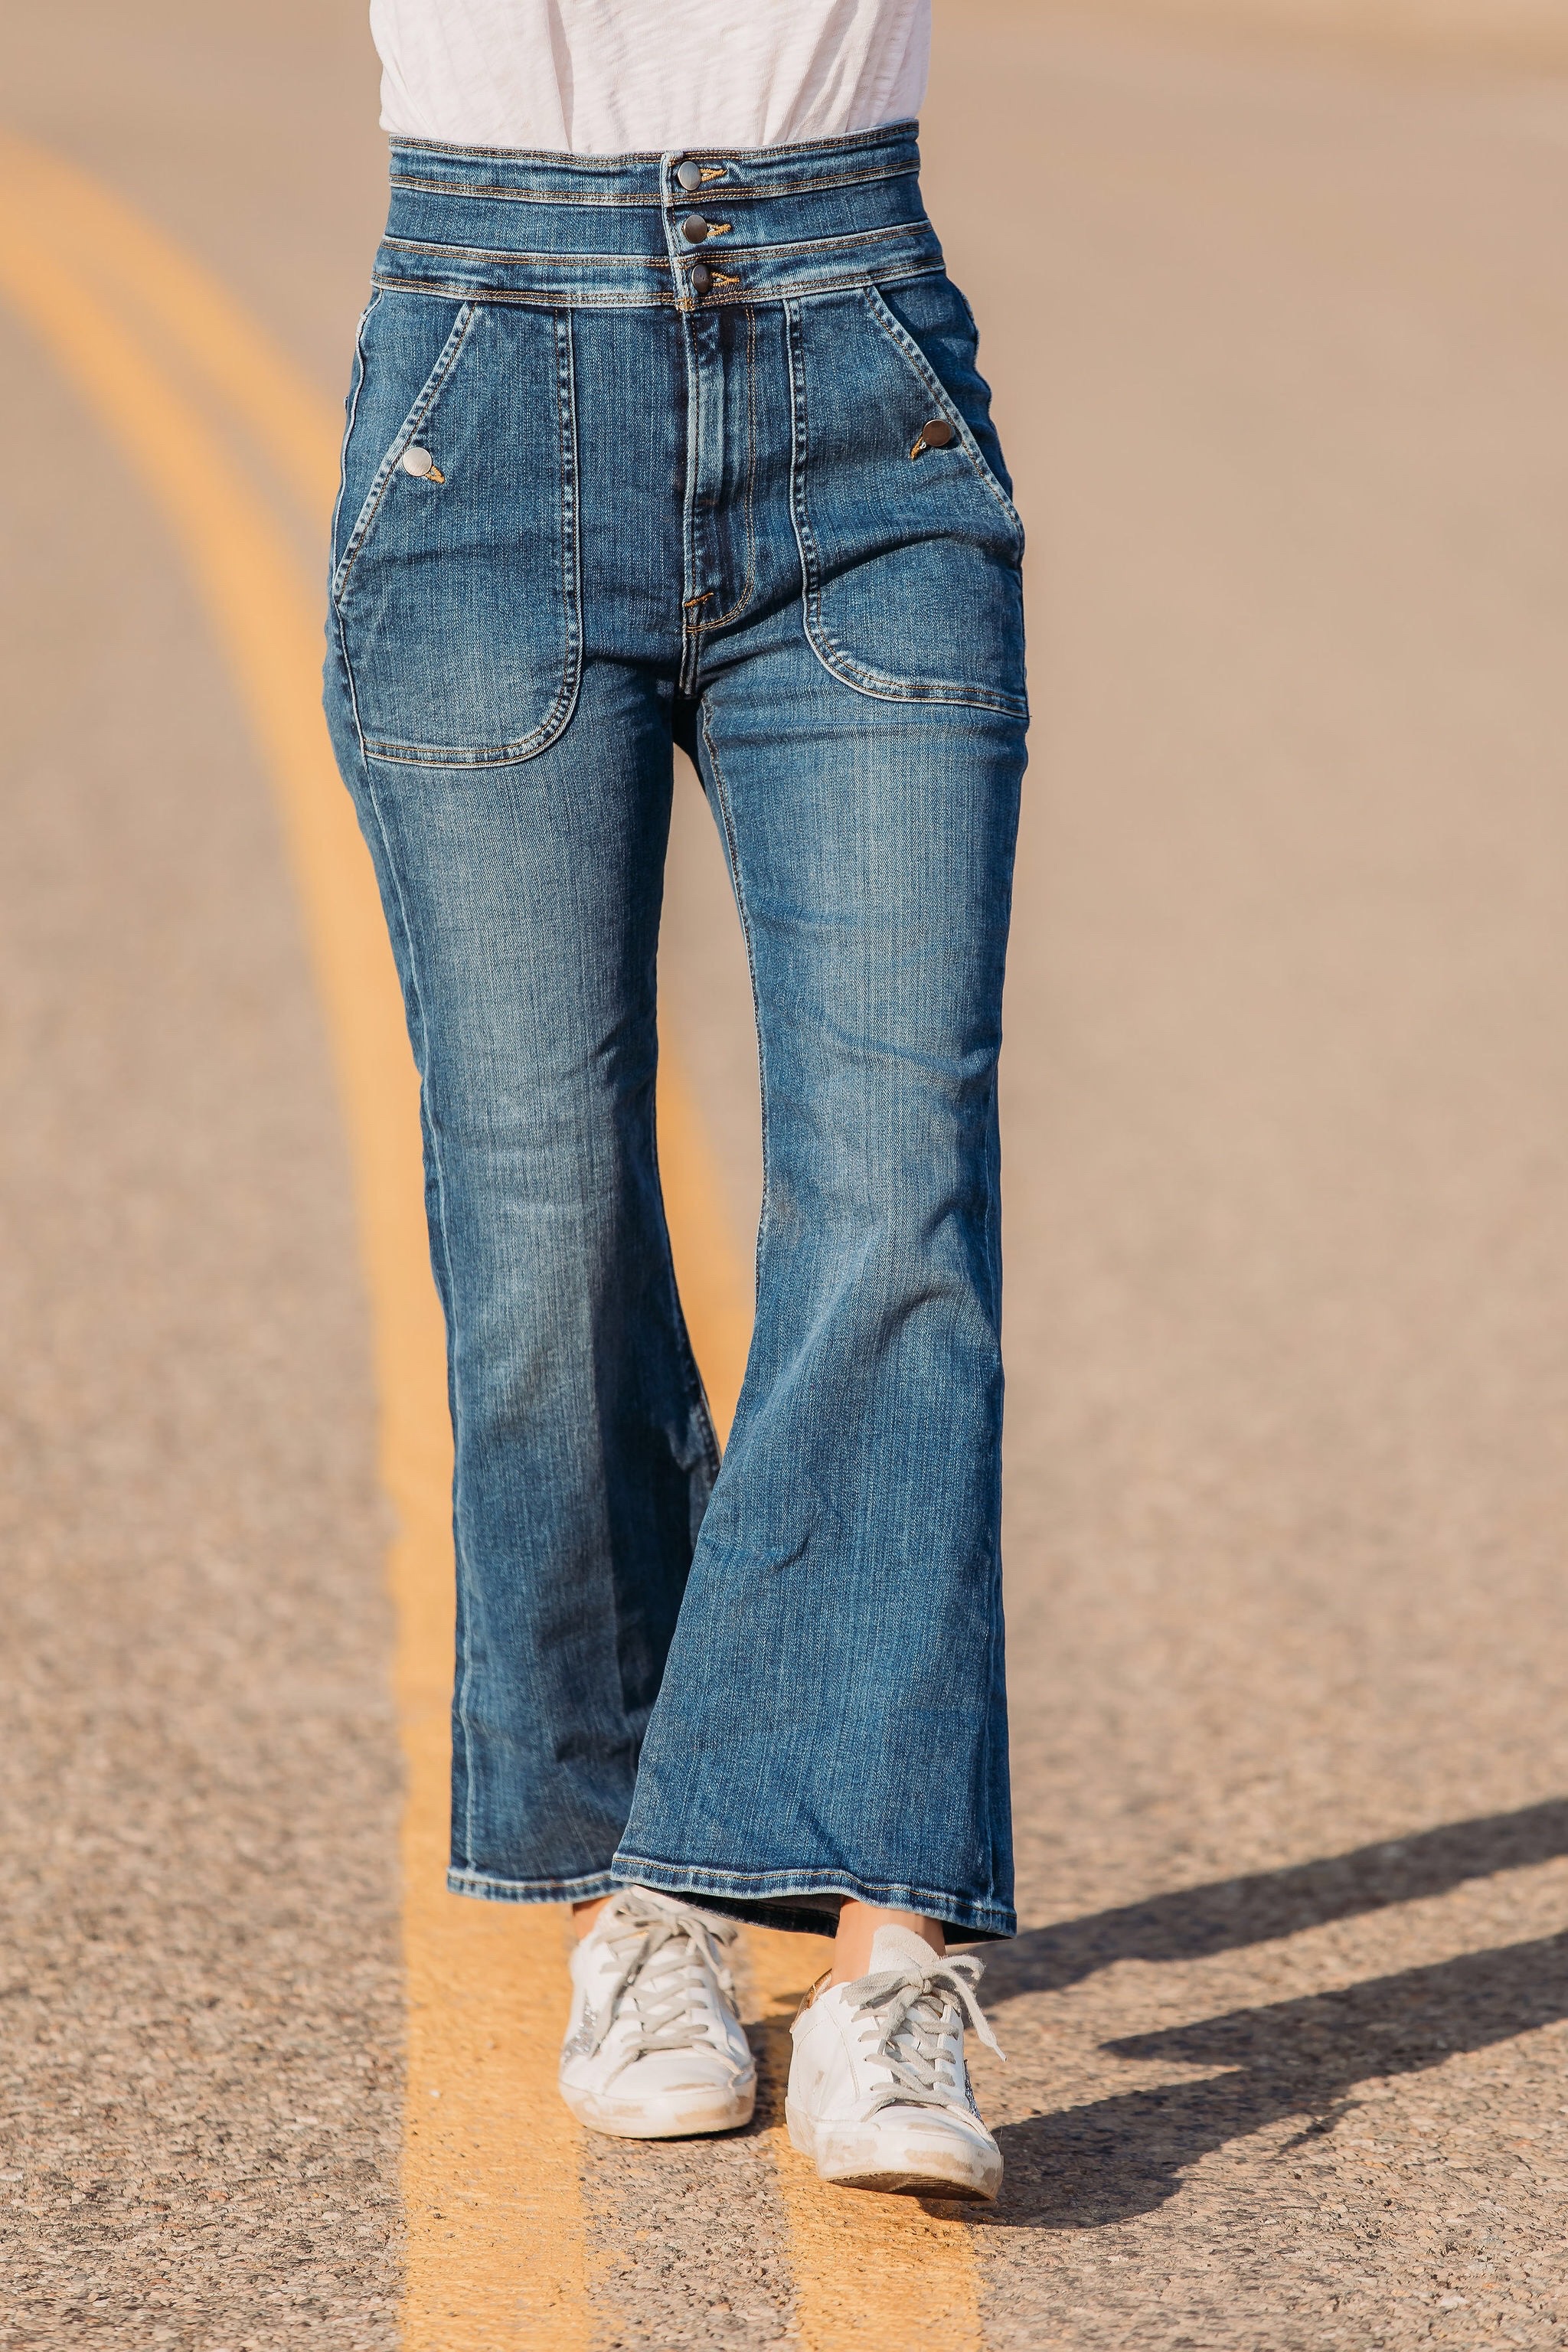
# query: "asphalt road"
{"points": [[1279, 339]]}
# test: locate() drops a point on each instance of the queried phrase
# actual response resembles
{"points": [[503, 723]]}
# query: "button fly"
{"points": [[690, 175], [694, 228]]}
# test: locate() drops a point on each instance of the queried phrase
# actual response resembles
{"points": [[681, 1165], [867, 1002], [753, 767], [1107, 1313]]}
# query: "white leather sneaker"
{"points": [[879, 2092], [655, 2049]]}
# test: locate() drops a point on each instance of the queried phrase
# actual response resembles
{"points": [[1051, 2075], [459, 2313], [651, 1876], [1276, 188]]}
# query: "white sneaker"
{"points": [[879, 2092], [655, 2048]]}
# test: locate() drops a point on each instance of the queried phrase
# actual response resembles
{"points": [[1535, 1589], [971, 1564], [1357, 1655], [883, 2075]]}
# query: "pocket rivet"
{"points": [[934, 435]]}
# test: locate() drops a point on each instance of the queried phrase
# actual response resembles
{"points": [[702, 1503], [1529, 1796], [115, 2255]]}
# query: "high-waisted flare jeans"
{"points": [[690, 449]]}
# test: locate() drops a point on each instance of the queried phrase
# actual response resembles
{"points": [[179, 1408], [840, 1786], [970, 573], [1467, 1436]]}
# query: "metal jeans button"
{"points": [[688, 175], [701, 278], [694, 228], [937, 434], [416, 460]]}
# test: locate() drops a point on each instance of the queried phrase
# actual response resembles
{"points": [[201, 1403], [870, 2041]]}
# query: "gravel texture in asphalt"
{"points": [[198, 1992]]}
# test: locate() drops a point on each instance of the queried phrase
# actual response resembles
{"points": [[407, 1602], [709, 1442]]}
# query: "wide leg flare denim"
{"points": [[692, 449]]}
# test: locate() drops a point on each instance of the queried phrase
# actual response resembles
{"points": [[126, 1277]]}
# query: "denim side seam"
{"points": [[351, 412], [996, 1653], [998, 1643]]}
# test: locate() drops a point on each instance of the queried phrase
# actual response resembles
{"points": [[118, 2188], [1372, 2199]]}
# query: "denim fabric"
{"points": [[664, 509]]}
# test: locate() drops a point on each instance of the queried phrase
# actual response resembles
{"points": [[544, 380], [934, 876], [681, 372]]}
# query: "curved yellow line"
{"points": [[496, 2251], [51, 205], [495, 2242]]}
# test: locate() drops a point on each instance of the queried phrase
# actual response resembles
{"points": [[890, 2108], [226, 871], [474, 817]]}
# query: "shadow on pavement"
{"points": [[1087, 2166], [1198, 1920]]}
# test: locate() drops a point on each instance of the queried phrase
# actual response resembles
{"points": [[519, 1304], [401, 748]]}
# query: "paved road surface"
{"points": [[1282, 350]]}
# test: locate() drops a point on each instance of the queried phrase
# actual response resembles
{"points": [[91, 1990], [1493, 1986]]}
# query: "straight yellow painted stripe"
{"points": [[496, 2255], [715, 1296], [872, 2273]]}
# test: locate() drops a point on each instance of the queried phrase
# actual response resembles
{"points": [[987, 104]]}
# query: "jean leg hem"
{"points": [[480, 1884], [764, 1895]]}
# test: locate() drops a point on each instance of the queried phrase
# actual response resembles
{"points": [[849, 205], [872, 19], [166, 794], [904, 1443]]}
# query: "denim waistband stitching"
{"points": [[455, 290], [655, 200], [882, 134], [526, 259]]}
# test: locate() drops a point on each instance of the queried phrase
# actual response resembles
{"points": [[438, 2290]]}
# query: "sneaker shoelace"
{"points": [[913, 2009], [662, 1960]]}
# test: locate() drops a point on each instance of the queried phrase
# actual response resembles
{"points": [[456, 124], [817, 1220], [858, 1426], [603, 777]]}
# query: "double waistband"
{"points": [[686, 230]]}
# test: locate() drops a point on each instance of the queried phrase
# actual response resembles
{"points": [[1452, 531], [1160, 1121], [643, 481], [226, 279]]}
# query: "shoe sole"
{"points": [[843, 2159], [666, 2118]]}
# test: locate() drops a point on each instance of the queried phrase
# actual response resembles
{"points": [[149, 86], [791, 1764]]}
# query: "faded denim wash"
{"points": [[682, 492]]}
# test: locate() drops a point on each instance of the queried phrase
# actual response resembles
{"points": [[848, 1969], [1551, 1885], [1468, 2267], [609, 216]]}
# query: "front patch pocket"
{"points": [[456, 584], [911, 563]]}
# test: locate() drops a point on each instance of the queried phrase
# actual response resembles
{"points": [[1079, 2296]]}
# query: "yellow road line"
{"points": [[715, 1294], [496, 2249], [496, 2245], [125, 257], [872, 2273]]}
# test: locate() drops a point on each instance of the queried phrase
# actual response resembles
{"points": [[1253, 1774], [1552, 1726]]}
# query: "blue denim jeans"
{"points": [[629, 464]]}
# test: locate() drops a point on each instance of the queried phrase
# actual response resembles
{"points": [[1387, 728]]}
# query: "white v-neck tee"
{"points": [[620, 76]]}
